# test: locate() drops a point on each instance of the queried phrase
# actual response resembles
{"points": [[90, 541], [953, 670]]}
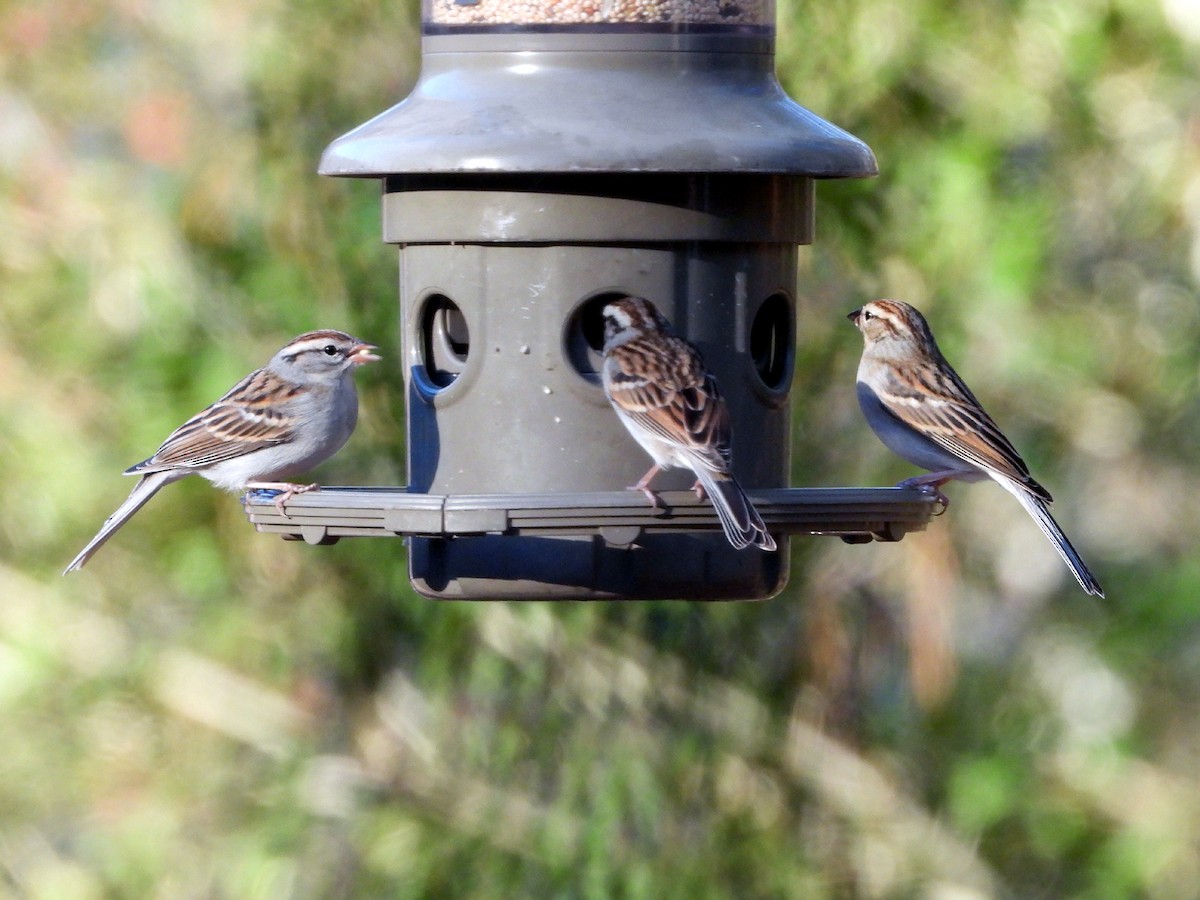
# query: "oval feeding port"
{"points": [[771, 344], [445, 340], [584, 336]]}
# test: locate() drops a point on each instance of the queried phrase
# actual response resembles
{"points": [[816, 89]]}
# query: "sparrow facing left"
{"points": [[285, 418], [923, 412], [669, 403]]}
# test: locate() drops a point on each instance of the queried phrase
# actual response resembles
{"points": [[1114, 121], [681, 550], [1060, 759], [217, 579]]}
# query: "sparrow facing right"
{"points": [[283, 419]]}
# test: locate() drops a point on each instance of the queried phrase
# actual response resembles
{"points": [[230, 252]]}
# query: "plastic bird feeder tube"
{"points": [[552, 157]]}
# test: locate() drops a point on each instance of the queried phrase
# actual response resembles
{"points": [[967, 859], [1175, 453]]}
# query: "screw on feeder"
{"points": [[680, 172]]}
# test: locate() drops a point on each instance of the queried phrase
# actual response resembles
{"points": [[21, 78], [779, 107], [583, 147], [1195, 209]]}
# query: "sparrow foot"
{"points": [[284, 491], [926, 487], [942, 499], [643, 485], [650, 495]]}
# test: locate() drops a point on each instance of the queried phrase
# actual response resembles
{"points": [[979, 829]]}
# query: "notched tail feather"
{"points": [[146, 488], [742, 524], [1037, 509]]}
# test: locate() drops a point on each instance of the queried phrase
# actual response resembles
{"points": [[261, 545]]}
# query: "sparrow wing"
{"points": [[940, 406], [664, 387], [246, 419]]}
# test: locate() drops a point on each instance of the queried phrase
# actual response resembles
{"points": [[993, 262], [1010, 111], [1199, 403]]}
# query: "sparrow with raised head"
{"points": [[287, 417], [669, 403], [922, 411]]}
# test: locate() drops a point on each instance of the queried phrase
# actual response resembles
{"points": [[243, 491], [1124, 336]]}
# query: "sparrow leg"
{"points": [[698, 487], [643, 485], [287, 489]]}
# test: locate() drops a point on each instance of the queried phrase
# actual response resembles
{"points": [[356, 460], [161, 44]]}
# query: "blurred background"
{"points": [[209, 712]]}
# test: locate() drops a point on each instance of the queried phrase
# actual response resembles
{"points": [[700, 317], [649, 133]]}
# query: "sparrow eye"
{"points": [[330, 350], [868, 315]]}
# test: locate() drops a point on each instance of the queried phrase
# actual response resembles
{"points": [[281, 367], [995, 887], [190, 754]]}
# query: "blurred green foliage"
{"points": [[207, 712]]}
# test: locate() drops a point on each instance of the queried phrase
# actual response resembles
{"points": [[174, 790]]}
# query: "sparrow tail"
{"points": [[1041, 514], [146, 488], [741, 521]]}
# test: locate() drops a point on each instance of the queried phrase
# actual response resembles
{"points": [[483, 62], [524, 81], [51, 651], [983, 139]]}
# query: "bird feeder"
{"points": [[555, 155]]}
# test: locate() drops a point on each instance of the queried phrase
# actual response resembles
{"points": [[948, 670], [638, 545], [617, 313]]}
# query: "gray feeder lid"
{"points": [[621, 103], [619, 517]]}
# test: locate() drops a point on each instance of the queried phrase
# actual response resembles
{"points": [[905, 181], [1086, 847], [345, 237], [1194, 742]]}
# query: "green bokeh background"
{"points": [[209, 712]]}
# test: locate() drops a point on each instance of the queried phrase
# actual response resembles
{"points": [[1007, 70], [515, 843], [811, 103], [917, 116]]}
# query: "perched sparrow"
{"points": [[669, 403], [919, 407], [290, 415]]}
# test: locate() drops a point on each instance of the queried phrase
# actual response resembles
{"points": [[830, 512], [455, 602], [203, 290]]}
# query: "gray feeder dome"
{"points": [[553, 155]]}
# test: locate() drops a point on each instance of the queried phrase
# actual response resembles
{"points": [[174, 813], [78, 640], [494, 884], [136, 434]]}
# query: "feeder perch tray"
{"points": [[857, 515]]}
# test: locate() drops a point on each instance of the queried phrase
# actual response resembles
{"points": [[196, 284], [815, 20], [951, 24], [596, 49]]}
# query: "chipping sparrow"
{"points": [[285, 418], [921, 410], [669, 403]]}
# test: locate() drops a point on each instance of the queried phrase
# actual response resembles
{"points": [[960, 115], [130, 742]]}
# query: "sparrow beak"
{"points": [[853, 317], [360, 354]]}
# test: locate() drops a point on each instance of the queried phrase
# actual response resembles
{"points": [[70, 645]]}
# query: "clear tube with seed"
{"points": [[677, 16]]}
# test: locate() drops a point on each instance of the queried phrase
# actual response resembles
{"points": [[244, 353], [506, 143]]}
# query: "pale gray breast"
{"points": [[905, 441]]}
